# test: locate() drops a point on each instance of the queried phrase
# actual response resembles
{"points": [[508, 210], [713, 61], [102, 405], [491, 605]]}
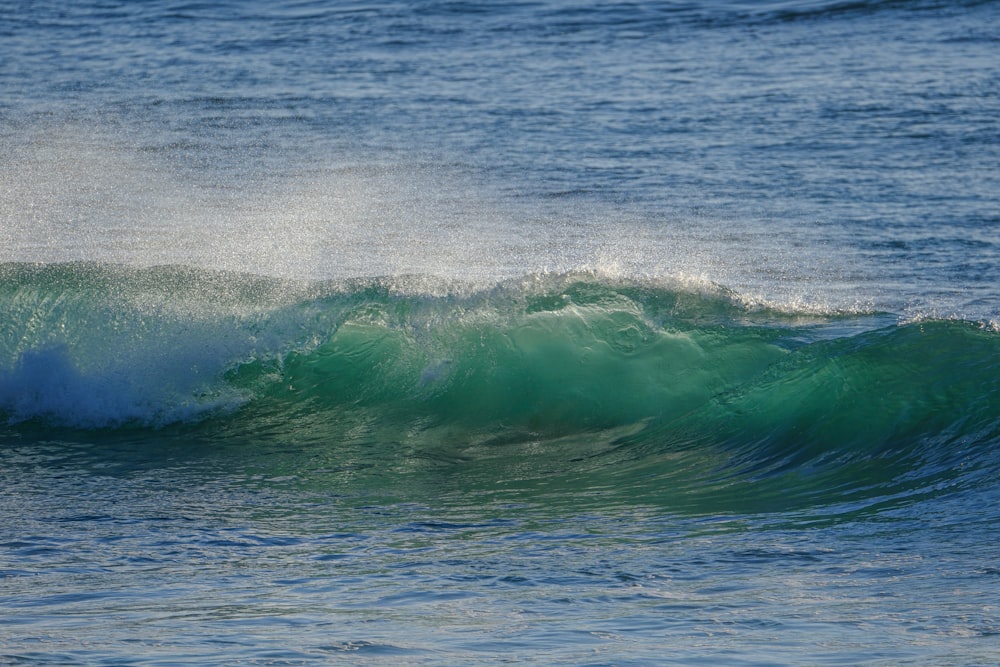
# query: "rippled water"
{"points": [[457, 333]]}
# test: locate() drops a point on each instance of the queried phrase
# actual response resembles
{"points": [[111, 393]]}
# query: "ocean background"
{"points": [[464, 333]]}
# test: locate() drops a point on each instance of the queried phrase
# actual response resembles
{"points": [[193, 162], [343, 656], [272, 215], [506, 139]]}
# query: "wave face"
{"points": [[626, 377]]}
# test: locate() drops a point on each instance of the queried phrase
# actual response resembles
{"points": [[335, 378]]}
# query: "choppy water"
{"points": [[452, 333]]}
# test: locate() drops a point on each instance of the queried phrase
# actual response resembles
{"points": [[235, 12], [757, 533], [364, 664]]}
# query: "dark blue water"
{"points": [[465, 333]]}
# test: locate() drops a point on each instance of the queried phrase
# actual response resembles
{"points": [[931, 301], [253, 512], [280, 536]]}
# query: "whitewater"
{"points": [[446, 333]]}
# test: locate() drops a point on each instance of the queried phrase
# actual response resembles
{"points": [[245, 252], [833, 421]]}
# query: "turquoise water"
{"points": [[540, 333]]}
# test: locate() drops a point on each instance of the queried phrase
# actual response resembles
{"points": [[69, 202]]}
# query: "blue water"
{"points": [[449, 333]]}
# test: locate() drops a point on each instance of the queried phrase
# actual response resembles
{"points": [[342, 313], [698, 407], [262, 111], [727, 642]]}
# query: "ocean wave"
{"points": [[656, 367]]}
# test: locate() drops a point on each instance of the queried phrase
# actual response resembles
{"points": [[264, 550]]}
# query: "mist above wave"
{"points": [[110, 194]]}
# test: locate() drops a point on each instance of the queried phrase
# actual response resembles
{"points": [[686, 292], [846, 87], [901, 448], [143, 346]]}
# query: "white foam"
{"points": [[46, 383]]}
